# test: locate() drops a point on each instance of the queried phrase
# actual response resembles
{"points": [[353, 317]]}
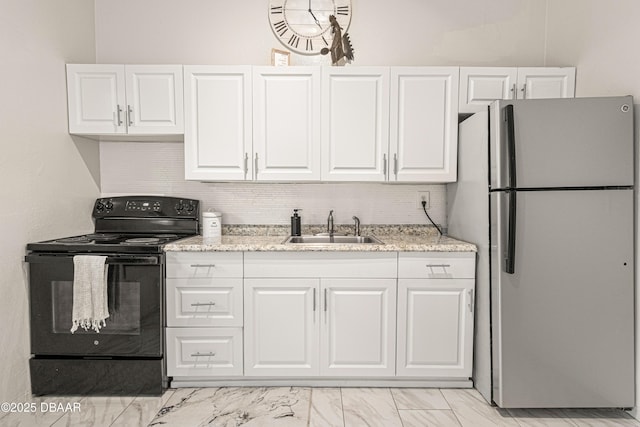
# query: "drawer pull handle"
{"points": [[438, 265], [200, 304], [198, 354], [203, 265]]}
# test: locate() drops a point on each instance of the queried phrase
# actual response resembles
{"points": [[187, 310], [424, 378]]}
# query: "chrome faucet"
{"points": [[356, 231], [330, 228]]}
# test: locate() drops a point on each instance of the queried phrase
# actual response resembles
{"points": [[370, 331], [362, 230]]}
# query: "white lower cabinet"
{"points": [[204, 307], [320, 316], [358, 328], [313, 314], [204, 302], [281, 327], [435, 315], [204, 351]]}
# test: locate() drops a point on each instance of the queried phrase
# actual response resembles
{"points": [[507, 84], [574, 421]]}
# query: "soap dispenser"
{"points": [[295, 223]]}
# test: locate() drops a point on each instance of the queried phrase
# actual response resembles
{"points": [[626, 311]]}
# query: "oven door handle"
{"points": [[111, 260]]}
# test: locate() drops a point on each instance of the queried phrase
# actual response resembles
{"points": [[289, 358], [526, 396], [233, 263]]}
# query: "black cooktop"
{"points": [[107, 242]]}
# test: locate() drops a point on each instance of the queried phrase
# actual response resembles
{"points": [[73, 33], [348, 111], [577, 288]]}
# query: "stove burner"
{"points": [[102, 237], [77, 239], [142, 241], [166, 236]]}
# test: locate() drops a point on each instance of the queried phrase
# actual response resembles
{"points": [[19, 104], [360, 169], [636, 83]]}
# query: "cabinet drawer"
{"points": [[204, 264], [436, 265], [204, 302], [321, 264], [204, 351]]}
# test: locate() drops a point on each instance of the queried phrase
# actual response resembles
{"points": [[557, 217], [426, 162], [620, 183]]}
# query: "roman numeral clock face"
{"points": [[303, 25]]}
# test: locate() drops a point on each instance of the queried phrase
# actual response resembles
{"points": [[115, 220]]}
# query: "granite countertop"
{"points": [[407, 238]]}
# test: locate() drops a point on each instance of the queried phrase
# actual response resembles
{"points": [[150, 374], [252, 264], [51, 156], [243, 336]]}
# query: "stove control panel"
{"points": [[142, 206], [145, 207]]}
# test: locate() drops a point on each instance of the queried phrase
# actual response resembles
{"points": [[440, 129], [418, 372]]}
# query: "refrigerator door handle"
{"points": [[511, 144], [510, 258]]}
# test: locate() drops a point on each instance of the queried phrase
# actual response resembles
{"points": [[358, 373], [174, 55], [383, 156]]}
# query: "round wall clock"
{"points": [[303, 26]]}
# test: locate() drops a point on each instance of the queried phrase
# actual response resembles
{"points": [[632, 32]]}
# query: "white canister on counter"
{"points": [[212, 227]]}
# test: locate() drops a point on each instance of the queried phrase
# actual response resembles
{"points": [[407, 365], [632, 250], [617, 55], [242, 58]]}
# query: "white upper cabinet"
{"points": [[125, 99], [538, 83], [217, 140], [479, 86], [355, 127], [423, 125], [154, 99], [96, 99], [286, 123]]}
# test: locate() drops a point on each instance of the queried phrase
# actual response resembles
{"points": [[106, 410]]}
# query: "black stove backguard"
{"points": [[146, 215], [126, 356]]}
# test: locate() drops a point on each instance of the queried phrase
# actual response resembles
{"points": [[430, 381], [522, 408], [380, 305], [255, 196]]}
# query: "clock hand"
{"points": [[316, 19], [314, 16]]}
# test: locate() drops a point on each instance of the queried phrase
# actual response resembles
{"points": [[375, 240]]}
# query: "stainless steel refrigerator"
{"points": [[545, 190]]}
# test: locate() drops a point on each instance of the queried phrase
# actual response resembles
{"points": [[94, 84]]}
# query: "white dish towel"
{"points": [[90, 308]]}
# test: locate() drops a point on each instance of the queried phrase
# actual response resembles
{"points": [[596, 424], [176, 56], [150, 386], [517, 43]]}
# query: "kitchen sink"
{"points": [[327, 240]]}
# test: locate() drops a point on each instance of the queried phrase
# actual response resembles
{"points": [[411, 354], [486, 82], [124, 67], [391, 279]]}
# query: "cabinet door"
{"points": [[480, 86], [286, 123], [355, 128], [281, 327], [435, 327], [204, 302], [154, 99], [199, 352], [358, 327], [424, 124], [538, 83], [96, 99], [217, 138]]}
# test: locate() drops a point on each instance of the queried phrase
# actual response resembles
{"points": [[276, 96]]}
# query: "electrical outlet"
{"points": [[422, 196]]}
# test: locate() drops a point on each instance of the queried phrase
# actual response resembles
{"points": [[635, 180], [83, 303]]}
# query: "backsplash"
{"points": [[157, 168]]}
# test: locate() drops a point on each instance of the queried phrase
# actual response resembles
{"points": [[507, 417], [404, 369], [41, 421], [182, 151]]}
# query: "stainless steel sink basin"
{"points": [[327, 240]]}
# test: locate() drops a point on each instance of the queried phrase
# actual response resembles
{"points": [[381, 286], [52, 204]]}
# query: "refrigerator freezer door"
{"points": [[579, 142], [563, 322]]}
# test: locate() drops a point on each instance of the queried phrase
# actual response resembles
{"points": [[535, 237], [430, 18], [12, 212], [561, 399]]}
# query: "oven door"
{"points": [[134, 325]]}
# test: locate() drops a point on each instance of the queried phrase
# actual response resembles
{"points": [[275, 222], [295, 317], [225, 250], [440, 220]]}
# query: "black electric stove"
{"points": [[126, 356]]}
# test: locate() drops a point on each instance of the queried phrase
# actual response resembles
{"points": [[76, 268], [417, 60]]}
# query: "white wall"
{"points": [[48, 181], [601, 39], [157, 168], [404, 32], [383, 32]]}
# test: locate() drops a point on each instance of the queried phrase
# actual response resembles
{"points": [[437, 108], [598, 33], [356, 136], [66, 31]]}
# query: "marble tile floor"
{"points": [[299, 406]]}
